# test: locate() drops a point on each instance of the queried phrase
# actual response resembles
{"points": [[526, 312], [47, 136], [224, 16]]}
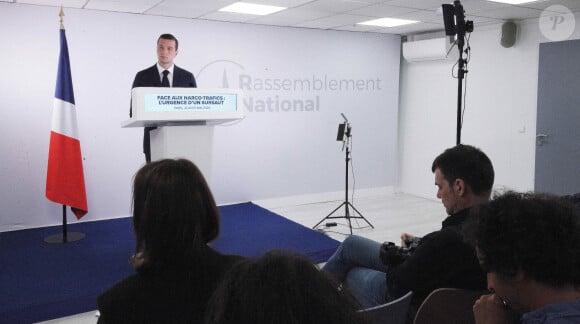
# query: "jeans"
{"points": [[357, 265]]}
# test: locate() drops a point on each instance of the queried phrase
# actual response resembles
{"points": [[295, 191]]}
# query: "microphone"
{"points": [[343, 116]]}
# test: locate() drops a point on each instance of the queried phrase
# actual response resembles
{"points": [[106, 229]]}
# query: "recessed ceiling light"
{"points": [[251, 8], [388, 22], [513, 2]]}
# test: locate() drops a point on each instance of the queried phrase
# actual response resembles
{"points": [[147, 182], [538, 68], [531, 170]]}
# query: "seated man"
{"points": [[529, 245], [464, 177]]}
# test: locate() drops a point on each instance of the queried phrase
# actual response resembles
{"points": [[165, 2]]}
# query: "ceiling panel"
{"points": [[573, 5], [336, 6], [228, 16], [135, 6], [325, 14], [187, 8], [334, 21], [381, 10], [55, 3], [418, 4], [475, 6], [511, 13], [290, 17], [280, 3], [432, 16]]}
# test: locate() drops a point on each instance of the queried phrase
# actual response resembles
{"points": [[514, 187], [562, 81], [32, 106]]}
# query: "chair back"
{"points": [[448, 306], [393, 312]]}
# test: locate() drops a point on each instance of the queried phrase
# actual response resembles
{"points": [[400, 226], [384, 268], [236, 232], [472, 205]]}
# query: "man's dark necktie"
{"points": [[165, 80]]}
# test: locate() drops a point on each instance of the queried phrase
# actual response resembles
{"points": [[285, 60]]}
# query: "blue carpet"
{"points": [[41, 281]]}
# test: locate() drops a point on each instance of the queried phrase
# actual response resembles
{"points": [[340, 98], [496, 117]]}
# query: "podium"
{"points": [[185, 120]]}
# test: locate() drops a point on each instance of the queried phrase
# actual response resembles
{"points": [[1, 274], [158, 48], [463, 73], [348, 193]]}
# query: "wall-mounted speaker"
{"points": [[508, 34]]}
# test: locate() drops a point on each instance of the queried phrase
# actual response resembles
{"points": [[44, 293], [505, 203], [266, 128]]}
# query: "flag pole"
{"points": [[65, 236], [61, 14], [64, 229]]}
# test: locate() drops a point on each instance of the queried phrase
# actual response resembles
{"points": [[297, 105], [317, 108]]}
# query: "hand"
{"points": [[489, 309], [405, 237]]}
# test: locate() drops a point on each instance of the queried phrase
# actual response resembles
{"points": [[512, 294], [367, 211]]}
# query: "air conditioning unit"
{"points": [[436, 49]]}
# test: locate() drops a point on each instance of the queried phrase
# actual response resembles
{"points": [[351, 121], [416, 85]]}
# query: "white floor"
{"points": [[390, 214]]}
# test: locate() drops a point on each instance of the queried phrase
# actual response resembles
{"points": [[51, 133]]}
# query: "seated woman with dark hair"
{"points": [[280, 288], [174, 219]]}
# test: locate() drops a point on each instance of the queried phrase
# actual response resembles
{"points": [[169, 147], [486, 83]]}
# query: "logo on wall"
{"points": [[267, 93], [557, 23]]}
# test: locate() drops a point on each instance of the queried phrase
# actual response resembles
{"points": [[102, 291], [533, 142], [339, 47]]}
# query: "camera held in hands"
{"points": [[393, 255]]}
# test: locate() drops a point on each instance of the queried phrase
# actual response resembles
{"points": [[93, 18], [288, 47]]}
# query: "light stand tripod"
{"points": [[455, 24], [345, 136]]}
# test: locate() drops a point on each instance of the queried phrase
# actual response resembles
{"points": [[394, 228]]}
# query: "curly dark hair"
{"points": [[538, 234], [468, 163], [280, 287]]}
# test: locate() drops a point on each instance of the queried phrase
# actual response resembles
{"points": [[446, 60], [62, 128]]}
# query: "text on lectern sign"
{"points": [[223, 102]]}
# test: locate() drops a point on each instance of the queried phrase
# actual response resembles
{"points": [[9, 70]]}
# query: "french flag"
{"points": [[65, 181]]}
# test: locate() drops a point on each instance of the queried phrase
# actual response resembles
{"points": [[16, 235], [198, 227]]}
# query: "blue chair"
{"points": [[393, 312]]}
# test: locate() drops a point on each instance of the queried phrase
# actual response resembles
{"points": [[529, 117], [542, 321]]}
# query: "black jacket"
{"points": [[442, 259], [150, 78], [176, 296]]}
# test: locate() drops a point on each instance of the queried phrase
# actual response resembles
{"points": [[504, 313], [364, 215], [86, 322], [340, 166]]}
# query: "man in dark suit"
{"points": [[155, 76]]}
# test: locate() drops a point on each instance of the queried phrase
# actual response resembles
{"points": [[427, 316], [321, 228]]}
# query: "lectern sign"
{"points": [[154, 106], [162, 102]]}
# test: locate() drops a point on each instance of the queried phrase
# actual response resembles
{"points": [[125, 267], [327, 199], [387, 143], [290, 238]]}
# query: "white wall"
{"points": [[500, 115], [268, 154]]}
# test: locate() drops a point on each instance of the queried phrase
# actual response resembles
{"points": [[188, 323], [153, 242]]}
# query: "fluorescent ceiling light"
{"points": [[251, 8], [513, 2], [388, 22]]}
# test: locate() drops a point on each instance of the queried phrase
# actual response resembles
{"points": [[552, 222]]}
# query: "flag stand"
{"points": [[65, 183], [64, 237]]}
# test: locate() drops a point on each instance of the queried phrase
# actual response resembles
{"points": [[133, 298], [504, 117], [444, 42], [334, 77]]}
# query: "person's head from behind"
{"points": [[464, 177], [167, 49], [528, 239], [174, 214], [280, 288]]}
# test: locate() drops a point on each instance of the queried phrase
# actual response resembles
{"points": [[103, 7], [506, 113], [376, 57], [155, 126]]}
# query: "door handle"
{"points": [[541, 138]]}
